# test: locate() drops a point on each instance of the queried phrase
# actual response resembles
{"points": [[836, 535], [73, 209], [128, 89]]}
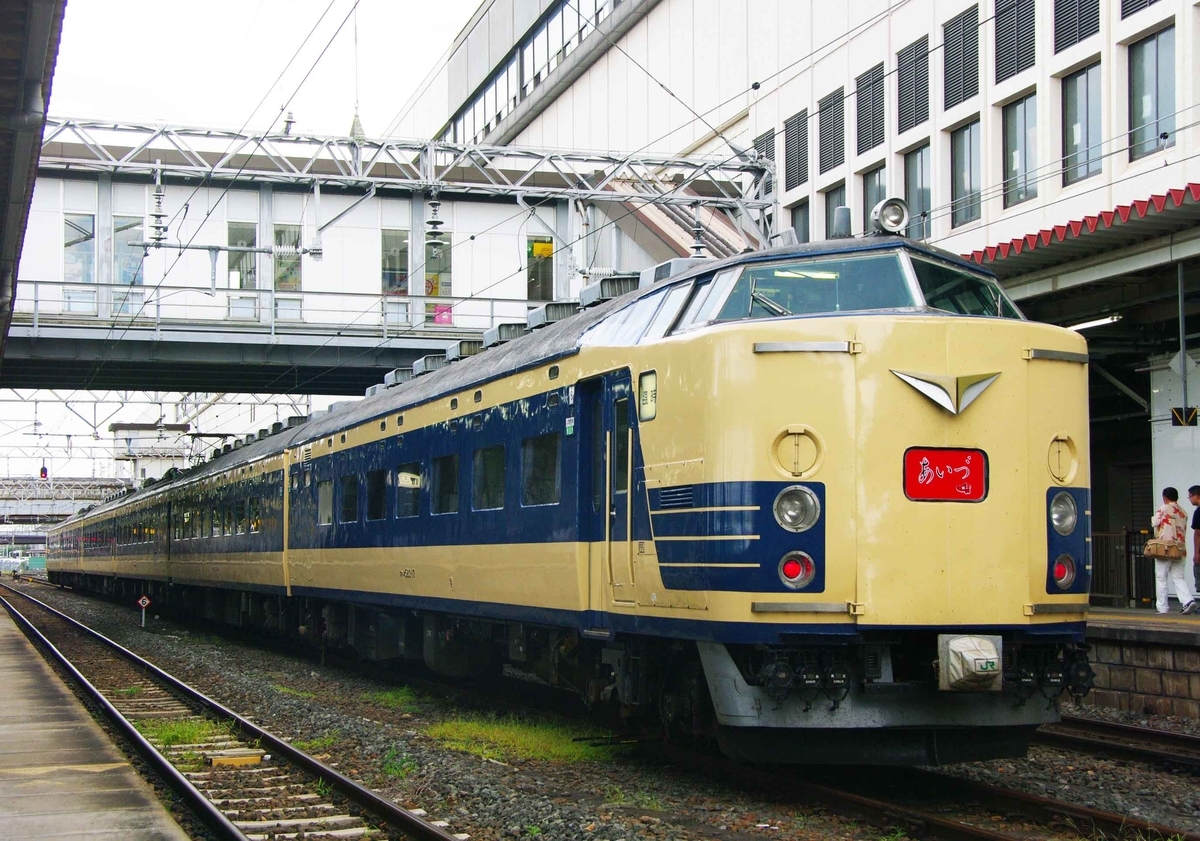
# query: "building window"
{"points": [[835, 197], [539, 271], [1074, 21], [443, 497], [912, 84], [127, 262], [438, 280], [960, 57], [349, 510], [917, 193], [376, 494], [1020, 150], [800, 223], [287, 266], [795, 150], [874, 191], [1152, 94], [395, 262], [1016, 44], [964, 166], [242, 271], [487, 480], [831, 130], [869, 92], [408, 489], [79, 246], [541, 476], [1129, 7], [764, 144], [1083, 147], [325, 503]]}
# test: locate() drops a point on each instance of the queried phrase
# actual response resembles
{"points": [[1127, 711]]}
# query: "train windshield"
{"points": [[841, 284], [955, 290]]}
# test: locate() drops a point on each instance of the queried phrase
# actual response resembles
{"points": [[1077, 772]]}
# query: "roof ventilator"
{"points": [[372, 390], [397, 376], [606, 289], [549, 313], [429, 364], [502, 333], [668, 269], [296, 420], [463, 349], [263, 433], [277, 427]]}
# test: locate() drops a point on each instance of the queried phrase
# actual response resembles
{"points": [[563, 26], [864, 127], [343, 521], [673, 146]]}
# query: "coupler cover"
{"points": [[970, 663]]}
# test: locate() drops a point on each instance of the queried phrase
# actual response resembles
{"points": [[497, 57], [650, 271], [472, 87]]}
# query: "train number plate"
{"points": [[943, 474]]}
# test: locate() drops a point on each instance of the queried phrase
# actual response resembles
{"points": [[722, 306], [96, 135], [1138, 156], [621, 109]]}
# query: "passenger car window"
{"points": [[349, 512], [958, 291], [324, 503], [376, 494], [408, 489], [443, 497], [487, 480], [540, 473]]}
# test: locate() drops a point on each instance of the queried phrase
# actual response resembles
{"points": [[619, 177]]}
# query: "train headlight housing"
{"points": [[797, 570], [1064, 515], [797, 508], [890, 216], [1064, 572]]}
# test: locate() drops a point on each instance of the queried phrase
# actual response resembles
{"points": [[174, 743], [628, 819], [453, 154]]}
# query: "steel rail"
{"points": [[1096, 737], [212, 817], [402, 819]]}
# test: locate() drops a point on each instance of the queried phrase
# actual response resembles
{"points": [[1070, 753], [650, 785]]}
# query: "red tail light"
{"points": [[1064, 571], [796, 570]]}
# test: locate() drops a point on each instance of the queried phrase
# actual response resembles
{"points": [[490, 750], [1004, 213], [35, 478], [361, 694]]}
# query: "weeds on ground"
{"points": [[533, 829], [398, 764], [617, 796], [324, 788], [401, 698], [295, 693], [894, 835], [509, 737], [320, 743], [188, 760], [129, 691], [180, 732]]}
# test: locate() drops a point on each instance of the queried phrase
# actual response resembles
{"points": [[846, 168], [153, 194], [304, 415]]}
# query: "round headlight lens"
{"points": [[1063, 513], [797, 508], [890, 215]]}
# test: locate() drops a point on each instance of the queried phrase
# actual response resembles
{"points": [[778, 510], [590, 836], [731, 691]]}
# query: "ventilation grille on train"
{"points": [[306, 455], [680, 497]]}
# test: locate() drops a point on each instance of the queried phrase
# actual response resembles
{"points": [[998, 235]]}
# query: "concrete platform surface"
{"points": [[1141, 625], [60, 776]]}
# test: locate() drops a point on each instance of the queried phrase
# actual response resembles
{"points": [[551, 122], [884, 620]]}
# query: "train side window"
{"points": [[239, 508], [216, 521], [487, 480], [376, 494], [716, 295], [443, 497], [541, 474], [408, 489], [325, 503], [255, 514], [640, 316], [665, 317], [229, 518], [296, 481], [349, 510], [621, 446]]}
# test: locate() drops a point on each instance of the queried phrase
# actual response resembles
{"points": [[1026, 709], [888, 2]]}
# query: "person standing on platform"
{"points": [[1194, 499], [1170, 526]]}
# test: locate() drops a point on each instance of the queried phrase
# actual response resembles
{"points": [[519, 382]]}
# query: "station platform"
{"points": [[1114, 624], [60, 776]]}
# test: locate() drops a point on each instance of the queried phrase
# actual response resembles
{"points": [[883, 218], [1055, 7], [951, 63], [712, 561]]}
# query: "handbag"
{"points": [[1169, 550]]}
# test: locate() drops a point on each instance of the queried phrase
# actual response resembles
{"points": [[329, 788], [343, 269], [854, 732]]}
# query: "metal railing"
{"points": [[41, 303], [1121, 575]]}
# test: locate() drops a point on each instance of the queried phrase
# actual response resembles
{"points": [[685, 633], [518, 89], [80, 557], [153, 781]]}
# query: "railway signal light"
{"points": [[44, 473]]}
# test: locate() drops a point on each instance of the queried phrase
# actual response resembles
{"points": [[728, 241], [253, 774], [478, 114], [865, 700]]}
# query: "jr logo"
{"points": [[986, 665]]}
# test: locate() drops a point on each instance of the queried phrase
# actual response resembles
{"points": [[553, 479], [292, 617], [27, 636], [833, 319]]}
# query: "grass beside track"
{"points": [[510, 737], [187, 732], [401, 698]]}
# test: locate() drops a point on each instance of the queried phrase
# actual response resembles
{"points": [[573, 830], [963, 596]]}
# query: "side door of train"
{"points": [[606, 408]]}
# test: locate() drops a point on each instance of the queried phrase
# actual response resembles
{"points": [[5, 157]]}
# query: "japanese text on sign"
{"points": [[945, 475]]}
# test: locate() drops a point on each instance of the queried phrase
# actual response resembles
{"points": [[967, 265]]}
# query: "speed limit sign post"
{"points": [[143, 603]]}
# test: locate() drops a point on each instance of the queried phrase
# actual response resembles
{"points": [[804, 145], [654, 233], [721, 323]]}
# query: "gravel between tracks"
{"points": [[626, 798]]}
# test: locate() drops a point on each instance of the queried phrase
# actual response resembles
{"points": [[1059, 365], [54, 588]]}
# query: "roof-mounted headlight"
{"points": [[890, 216]]}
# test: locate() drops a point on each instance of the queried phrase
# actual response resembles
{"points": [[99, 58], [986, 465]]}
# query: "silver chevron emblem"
{"points": [[954, 394]]}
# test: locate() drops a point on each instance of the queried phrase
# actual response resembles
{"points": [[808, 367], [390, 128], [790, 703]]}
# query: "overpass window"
{"points": [[394, 261], [287, 266], [127, 257], [487, 482], [243, 272], [376, 494], [1152, 94], [443, 498], [540, 472], [349, 510], [1083, 150], [539, 272], [325, 503], [79, 245], [408, 489], [437, 280]]}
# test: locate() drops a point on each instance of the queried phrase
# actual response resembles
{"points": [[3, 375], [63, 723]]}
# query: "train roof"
{"points": [[538, 347]]}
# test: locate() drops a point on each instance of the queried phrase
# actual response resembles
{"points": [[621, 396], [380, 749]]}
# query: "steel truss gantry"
{"points": [[733, 183], [23, 490]]}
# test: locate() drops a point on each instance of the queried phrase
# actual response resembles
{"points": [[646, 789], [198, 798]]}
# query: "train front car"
{"points": [[867, 474]]}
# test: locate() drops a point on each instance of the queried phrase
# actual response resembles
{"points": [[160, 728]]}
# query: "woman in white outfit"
{"points": [[1170, 525]]}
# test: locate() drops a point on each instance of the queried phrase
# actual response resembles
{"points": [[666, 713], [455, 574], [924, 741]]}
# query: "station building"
{"points": [[1050, 140]]}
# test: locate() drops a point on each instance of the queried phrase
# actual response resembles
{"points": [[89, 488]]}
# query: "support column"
{"points": [[265, 263]]}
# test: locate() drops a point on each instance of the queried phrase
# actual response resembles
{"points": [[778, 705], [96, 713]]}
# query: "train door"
{"points": [[606, 407]]}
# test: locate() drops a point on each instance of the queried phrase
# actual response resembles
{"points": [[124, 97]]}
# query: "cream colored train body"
{"points": [[823, 503]]}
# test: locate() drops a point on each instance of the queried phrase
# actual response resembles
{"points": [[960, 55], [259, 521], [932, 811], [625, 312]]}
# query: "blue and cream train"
{"points": [[824, 502]]}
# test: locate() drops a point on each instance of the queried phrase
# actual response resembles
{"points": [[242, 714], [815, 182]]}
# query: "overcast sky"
{"points": [[209, 63]]}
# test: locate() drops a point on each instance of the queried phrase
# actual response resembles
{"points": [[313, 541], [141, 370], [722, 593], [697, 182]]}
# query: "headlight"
{"points": [[1063, 513], [890, 216], [797, 508]]}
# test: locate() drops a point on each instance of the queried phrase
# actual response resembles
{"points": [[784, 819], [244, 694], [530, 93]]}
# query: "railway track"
{"points": [[930, 805], [241, 781], [1123, 741]]}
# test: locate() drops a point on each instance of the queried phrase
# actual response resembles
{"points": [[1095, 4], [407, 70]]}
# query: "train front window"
{"points": [[841, 284], [958, 291]]}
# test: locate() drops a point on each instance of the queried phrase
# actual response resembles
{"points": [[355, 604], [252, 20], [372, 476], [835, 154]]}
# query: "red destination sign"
{"points": [[933, 474]]}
